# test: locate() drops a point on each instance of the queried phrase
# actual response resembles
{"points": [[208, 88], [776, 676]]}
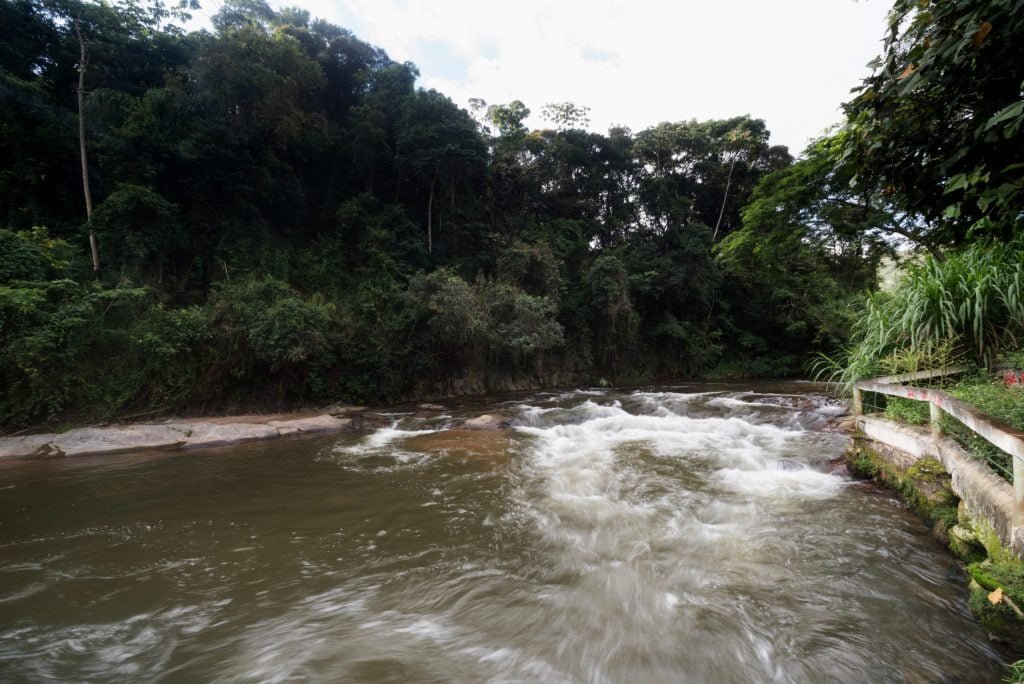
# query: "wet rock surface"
{"points": [[29, 445], [115, 440], [323, 423], [180, 434], [488, 421], [209, 435]]}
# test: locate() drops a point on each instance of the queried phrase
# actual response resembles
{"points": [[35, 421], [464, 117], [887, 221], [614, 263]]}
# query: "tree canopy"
{"points": [[283, 215], [938, 128]]}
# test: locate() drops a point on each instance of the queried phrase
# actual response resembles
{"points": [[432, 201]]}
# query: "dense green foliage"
{"points": [[807, 249], [283, 216], [936, 133], [968, 306], [939, 126]]}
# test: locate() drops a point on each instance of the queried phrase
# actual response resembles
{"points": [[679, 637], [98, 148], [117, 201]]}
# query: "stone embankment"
{"points": [[986, 498], [970, 508]]}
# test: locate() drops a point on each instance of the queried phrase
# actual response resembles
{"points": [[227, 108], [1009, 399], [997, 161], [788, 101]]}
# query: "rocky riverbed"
{"points": [[197, 433]]}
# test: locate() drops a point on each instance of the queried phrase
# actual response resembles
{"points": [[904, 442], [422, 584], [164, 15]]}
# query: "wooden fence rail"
{"points": [[1006, 437]]}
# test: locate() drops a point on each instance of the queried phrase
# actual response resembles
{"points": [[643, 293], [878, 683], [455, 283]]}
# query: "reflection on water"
{"points": [[680, 534]]}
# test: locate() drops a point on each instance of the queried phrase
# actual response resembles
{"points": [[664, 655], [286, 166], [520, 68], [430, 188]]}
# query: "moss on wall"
{"points": [[925, 486]]}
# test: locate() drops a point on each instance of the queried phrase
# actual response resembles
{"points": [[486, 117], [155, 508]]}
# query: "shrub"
{"points": [[969, 306], [64, 346], [262, 327], [974, 298], [32, 255]]}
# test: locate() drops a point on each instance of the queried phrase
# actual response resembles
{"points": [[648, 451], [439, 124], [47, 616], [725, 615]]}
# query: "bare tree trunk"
{"points": [[83, 60], [725, 198], [714, 236], [430, 216]]}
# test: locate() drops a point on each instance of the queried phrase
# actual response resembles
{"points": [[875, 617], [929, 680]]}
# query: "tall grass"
{"points": [[969, 306]]}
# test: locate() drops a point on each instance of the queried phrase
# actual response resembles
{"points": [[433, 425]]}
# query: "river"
{"points": [[671, 534]]}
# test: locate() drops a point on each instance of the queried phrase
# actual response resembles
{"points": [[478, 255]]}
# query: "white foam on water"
{"points": [[836, 409], [575, 394], [541, 417], [671, 403], [777, 484], [385, 444], [733, 403], [681, 397], [345, 621], [125, 649], [532, 416], [592, 443], [380, 440], [620, 495], [426, 628], [623, 500]]}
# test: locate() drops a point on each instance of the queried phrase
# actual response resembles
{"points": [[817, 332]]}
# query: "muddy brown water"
{"points": [[688, 533]]}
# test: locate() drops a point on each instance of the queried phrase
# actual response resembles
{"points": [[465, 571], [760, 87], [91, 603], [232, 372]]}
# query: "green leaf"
{"points": [[957, 182], [1006, 113]]}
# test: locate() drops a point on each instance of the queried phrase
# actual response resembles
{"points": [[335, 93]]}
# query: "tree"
{"points": [[566, 115], [143, 229], [702, 172], [508, 119], [815, 199], [938, 127], [306, 222], [809, 246], [83, 61], [615, 319], [441, 144]]}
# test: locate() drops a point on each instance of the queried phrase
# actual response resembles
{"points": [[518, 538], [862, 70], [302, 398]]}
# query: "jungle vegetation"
{"points": [[272, 213]]}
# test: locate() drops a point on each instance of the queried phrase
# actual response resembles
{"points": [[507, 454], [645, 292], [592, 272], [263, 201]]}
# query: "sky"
{"points": [[634, 63]]}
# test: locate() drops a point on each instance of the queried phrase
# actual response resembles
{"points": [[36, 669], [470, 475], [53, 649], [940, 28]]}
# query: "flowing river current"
{"points": [[678, 534]]}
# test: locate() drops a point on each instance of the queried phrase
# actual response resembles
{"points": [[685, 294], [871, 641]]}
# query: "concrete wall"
{"points": [[987, 497]]}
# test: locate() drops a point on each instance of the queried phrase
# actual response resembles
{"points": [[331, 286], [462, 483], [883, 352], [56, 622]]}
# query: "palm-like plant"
{"points": [[969, 306]]}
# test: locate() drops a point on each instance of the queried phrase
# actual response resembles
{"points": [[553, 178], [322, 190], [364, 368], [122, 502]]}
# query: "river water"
{"points": [[663, 535]]}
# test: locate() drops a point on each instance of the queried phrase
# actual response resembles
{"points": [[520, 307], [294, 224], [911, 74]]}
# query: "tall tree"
{"points": [[83, 61], [442, 146]]}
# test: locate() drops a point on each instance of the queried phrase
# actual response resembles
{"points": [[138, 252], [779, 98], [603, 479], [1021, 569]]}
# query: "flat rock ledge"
{"points": [[95, 441]]}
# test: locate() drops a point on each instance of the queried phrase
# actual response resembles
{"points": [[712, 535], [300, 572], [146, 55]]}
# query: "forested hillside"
{"points": [[282, 216]]}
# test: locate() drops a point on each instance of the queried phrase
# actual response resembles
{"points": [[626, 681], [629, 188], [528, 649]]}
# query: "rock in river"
{"points": [[488, 421]]}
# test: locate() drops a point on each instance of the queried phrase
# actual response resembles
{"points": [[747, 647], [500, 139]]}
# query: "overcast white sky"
{"points": [[637, 63]]}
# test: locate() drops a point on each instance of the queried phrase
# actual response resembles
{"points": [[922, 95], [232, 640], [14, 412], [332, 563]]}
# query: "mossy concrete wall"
{"points": [[970, 507], [988, 498]]}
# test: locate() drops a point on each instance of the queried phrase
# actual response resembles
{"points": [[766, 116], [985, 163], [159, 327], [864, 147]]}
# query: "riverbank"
{"points": [[181, 434], [178, 434]]}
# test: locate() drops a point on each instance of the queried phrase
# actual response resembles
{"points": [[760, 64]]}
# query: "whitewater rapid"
{"points": [[669, 534]]}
